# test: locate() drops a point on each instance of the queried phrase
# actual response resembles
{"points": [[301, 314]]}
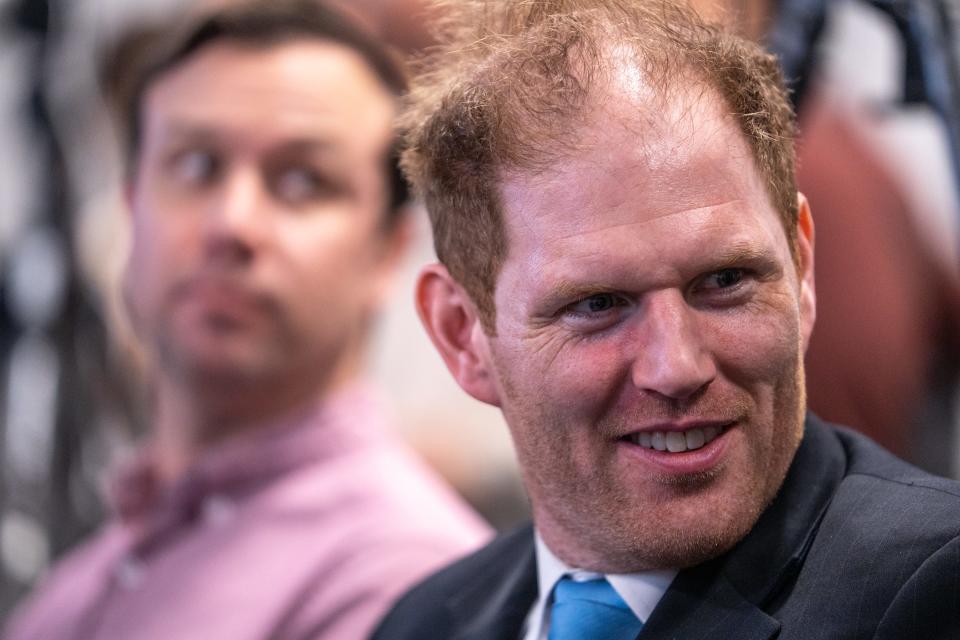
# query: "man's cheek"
{"points": [[137, 288], [757, 350]]}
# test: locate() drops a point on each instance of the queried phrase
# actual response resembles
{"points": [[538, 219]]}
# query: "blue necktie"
{"points": [[590, 610]]}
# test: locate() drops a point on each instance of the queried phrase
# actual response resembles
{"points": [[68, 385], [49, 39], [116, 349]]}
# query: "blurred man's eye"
{"points": [[194, 167], [300, 185]]}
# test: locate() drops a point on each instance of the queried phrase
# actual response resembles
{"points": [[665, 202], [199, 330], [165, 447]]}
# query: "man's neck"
{"points": [[189, 419]]}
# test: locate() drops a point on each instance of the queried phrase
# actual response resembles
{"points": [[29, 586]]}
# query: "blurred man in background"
{"points": [[267, 215]]}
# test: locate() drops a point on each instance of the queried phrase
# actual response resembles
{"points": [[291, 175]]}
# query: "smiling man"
{"points": [[626, 270], [270, 499]]}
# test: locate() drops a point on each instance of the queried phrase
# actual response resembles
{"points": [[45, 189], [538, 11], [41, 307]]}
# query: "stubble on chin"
{"points": [[681, 530], [591, 524]]}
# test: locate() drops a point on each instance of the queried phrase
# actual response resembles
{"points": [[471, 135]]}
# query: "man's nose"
{"points": [[672, 359], [236, 216]]}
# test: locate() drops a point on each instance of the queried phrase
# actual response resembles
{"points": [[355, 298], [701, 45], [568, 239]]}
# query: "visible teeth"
{"points": [[658, 440], [675, 441], [695, 439]]}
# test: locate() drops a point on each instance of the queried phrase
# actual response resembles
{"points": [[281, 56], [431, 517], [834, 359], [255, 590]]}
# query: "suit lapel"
{"points": [[496, 604], [737, 595], [702, 604], [734, 596]]}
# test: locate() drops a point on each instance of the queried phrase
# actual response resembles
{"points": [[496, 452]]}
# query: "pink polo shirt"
{"points": [[309, 528]]}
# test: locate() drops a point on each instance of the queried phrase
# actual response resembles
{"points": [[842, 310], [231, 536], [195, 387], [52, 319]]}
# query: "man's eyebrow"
{"points": [[563, 292], [742, 254], [184, 130], [179, 129], [308, 145], [745, 254]]}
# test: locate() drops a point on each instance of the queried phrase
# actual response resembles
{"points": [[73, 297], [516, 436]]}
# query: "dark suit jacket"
{"points": [[857, 544]]}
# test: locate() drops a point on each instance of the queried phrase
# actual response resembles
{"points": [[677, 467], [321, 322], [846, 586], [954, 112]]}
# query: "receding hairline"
{"points": [[661, 101], [510, 80], [654, 97]]}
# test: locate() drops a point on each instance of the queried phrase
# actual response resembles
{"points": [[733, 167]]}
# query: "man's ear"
{"points": [[805, 242], [452, 322]]}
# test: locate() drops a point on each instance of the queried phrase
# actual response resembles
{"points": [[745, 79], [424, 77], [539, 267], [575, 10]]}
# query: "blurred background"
{"points": [[877, 88]]}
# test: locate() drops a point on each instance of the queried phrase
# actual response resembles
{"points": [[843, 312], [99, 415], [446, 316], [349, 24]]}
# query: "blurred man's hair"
{"points": [[156, 50], [513, 80]]}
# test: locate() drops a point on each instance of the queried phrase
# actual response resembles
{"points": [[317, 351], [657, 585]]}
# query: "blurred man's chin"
{"points": [[220, 362]]}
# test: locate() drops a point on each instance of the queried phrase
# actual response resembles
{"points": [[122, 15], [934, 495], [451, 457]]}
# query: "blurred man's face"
{"points": [[650, 331], [258, 204]]}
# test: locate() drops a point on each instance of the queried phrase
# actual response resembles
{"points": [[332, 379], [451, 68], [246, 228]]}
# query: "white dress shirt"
{"points": [[641, 591]]}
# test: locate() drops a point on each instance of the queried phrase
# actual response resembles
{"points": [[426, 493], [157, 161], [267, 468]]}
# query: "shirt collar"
{"points": [[641, 591], [342, 421]]}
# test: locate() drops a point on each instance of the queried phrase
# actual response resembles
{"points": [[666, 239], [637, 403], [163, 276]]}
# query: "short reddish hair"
{"points": [[514, 75]]}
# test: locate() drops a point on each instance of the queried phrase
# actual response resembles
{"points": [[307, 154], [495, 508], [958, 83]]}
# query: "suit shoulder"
{"points": [[928, 604], [870, 466], [423, 611], [885, 540], [884, 504], [499, 555], [885, 521]]}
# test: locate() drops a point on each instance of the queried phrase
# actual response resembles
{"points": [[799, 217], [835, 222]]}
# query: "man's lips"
{"points": [[680, 449], [221, 297], [678, 437]]}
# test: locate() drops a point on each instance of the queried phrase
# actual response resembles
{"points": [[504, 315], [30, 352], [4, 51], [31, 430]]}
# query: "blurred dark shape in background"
{"points": [[57, 390], [876, 85], [881, 166], [885, 354]]}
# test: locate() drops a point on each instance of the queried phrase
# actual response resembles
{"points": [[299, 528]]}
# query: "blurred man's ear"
{"points": [[453, 324], [805, 241]]}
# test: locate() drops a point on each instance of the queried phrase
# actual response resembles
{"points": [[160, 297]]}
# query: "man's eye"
{"points": [[724, 279], [597, 303], [299, 185], [195, 167]]}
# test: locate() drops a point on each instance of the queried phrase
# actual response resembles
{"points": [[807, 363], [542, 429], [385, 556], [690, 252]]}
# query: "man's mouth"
{"points": [[676, 441], [222, 300]]}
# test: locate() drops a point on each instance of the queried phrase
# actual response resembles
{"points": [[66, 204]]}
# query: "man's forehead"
{"points": [[603, 236], [307, 85], [640, 159], [198, 131]]}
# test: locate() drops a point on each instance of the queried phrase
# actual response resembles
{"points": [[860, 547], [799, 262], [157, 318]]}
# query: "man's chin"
{"points": [[214, 365], [695, 547], [675, 548], [682, 527]]}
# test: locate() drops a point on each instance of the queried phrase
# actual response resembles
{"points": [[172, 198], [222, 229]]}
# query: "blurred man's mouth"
{"points": [[220, 303]]}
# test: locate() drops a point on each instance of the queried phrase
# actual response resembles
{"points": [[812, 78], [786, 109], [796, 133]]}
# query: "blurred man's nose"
{"points": [[671, 359], [237, 220]]}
